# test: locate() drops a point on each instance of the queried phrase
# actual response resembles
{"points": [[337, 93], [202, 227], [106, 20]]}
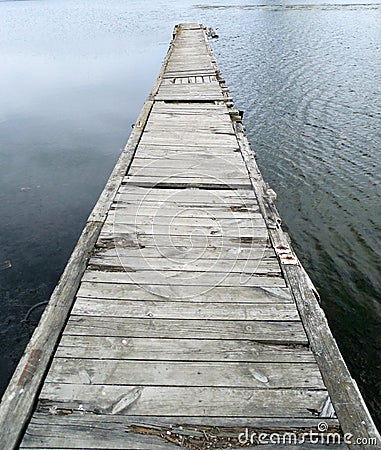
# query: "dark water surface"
{"points": [[73, 77]]}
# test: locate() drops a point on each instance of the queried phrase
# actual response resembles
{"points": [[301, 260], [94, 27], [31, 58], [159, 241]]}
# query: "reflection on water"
{"points": [[74, 77]]}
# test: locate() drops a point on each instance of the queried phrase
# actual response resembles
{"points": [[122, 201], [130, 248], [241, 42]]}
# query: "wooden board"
{"points": [[187, 231], [271, 332], [158, 349], [182, 310], [182, 182], [179, 401], [228, 211], [184, 255], [150, 432], [206, 207], [197, 282], [219, 294], [176, 373], [181, 220], [120, 263]]}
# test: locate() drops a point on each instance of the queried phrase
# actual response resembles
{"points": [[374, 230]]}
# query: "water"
{"points": [[73, 77]]}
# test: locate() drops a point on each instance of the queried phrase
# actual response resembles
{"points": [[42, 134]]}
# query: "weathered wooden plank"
{"points": [[230, 212], [222, 175], [156, 207], [185, 182], [191, 129], [185, 230], [188, 68], [190, 124], [231, 173], [237, 205], [146, 444], [210, 89], [210, 140], [201, 196], [156, 292], [198, 423], [209, 155], [212, 96], [216, 122], [187, 150], [137, 263], [188, 90], [280, 332], [225, 194], [184, 310], [181, 223], [198, 111], [117, 216], [196, 282], [110, 347], [200, 62], [175, 373], [197, 84], [173, 72], [78, 432], [180, 115], [231, 180], [181, 242], [141, 433], [180, 401], [206, 97], [185, 226], [183, 108], [184, 255], [189, 141]]}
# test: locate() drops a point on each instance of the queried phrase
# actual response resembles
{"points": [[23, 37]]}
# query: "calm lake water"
{"points": [[73, 77]]}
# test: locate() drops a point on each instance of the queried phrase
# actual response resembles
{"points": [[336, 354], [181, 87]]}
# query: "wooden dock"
{"points": [[183, 317]]}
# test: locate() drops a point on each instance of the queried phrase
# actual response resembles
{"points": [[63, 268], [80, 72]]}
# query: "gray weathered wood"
{"points": [[116, 432], [120, 216], [182, 182], [157, 349], [176, 373], [182, 310], [178, 278], [221, 196], [155, 211], [280, 332], [249, 254], [183, 242], [219, 294], [211, 207], [180, 401], [121, 263], [185, 230]]}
